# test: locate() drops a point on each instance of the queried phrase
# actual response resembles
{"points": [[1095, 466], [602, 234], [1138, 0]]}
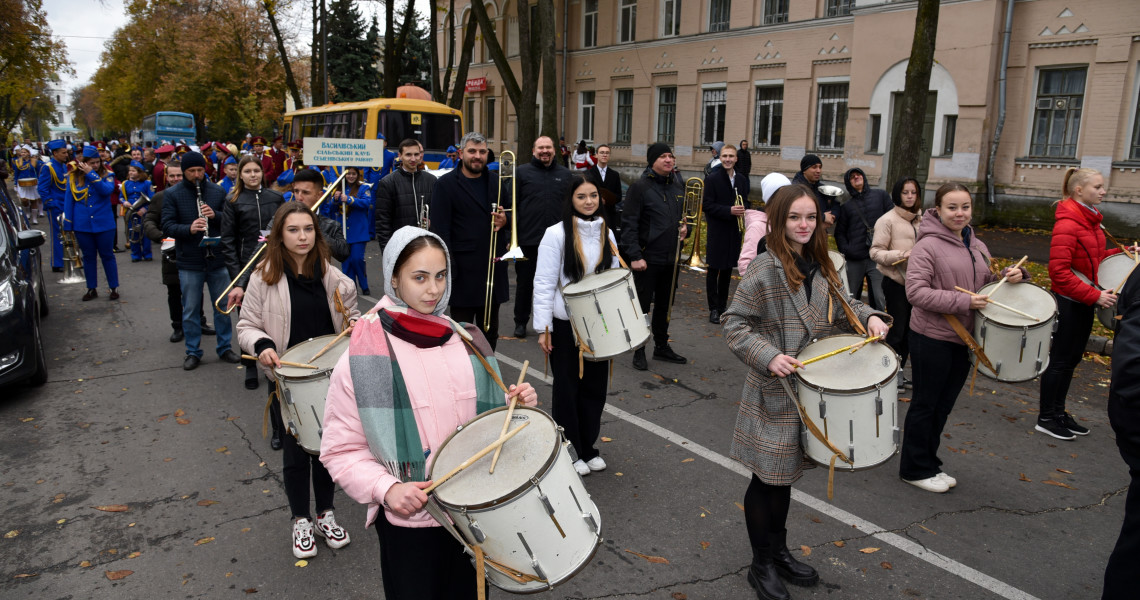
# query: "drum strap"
{"points": [[265, 416], [852, 318], [583, 350], [621, 261], [969, 340], [814, 429]]}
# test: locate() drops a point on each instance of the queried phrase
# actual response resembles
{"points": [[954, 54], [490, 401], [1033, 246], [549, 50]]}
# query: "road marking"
{"points": [[941, 561]]}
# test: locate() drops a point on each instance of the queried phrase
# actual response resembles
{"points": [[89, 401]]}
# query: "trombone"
{"points": [[256, 255], [506, 171], [690, 215]]}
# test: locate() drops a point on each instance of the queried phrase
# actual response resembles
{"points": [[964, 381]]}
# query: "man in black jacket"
{"points": [[607, 180], [854, 229], [811, 172], [401, 197], [541, 187], [649, 238], [190, 215], [1124, 414], [743, 159]]}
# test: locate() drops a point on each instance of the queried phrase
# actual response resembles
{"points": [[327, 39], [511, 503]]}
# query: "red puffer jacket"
{"points": [[1078, 245]]}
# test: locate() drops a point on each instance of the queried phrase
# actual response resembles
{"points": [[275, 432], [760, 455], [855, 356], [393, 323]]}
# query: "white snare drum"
{"points": [[302, 391], [1110, 276], [533, 515], [606, 314], [853, 399], [840, 268], [1018, 347]]}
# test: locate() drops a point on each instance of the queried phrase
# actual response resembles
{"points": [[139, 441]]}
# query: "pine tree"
{"points": [[416, 60], [352, 70]]}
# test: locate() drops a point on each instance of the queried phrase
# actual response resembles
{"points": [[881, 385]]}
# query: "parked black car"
{"points": [[23, 299]]}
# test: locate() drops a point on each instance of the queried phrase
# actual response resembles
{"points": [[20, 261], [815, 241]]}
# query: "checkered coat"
{"points": [[765, 320]]}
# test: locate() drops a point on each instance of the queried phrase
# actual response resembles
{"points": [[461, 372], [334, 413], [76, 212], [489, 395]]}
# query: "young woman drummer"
{"points": [[87, 212], [946, 255], [895, 233], [790, 294], [410, 377], [293, 295], [578, 401]]}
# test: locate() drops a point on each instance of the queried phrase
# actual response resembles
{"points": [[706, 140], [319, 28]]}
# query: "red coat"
{"points": [[267, 170], [1078, 244]]}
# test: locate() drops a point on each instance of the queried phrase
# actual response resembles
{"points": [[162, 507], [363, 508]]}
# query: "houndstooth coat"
{"points": [[765, 320]]}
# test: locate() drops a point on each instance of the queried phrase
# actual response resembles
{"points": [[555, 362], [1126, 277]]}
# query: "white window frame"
{"points": [[756, 87], [772, 13], [586, 114], [627, 9], [727, 22], [820, 83], [668, 6], [589, 24]]}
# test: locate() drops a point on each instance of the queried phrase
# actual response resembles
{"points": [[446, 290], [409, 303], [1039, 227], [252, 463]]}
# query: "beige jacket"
{"points": [[895, 232], [265, 310]]}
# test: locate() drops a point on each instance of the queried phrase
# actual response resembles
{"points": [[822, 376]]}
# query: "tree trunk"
{"points": [[546, 36], [438, 94], [522, 98], [906, 139], [456, 101], [401, 42], [446, 83], [290, 82]]}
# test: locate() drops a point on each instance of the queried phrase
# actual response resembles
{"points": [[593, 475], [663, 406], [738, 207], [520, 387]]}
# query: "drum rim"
{"points": [[515, 493], [842, 466], [856, 391], [550, 585], [984, 371], [1034, 326], [310, 374], [591, 291]]}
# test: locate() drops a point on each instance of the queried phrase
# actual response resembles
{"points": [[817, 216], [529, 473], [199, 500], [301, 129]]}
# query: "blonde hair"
{"points": [[1076, 177]]}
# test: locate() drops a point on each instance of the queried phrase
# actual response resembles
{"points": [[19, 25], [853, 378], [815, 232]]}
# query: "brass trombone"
{"points": [[695, 262], [256, 255], [506, 171], [690, 215]]}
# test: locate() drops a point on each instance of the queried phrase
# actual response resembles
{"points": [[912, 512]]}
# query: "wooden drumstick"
{"points": [[480, 454], [900, 261], [1120, 285], [854, 346], [510, 411], [1003, 279], [285, 362], [999, 304], [546, 357], [322, 351]]}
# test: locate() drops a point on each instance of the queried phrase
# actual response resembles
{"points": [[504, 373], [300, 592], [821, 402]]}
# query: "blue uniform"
{"points": [[227, 185], [131, 192], [358, 207], [87, 212], [52, 188], [448, 163]]}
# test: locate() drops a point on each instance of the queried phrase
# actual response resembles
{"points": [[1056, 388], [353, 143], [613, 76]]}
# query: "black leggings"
{"points": [[423, 563], [765, 513], [577, 403], [716, 288], [899, 309], [298, 467], [1074, 324]]}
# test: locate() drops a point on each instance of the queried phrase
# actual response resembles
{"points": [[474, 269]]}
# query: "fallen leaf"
{"points": [[182, 421], [135, 554], [111, 508], [111, 551], [1058, 484], [688, 460], [1072, 456], [931, 531], [205, 540], [705, 545], [162, 418], [886, 565], [648, 395], [168, 459], [301, 563], [117, 575], [839, 543], [229, 573], [805, 551], [679, 596], [85, 564], [27, 419], [12, 534], [245, 529], [250, 590], [60, 521], [207, 502], [23, 575], [232, 418], [618, 474], [84, 425], [180, 413], [739, 505], [1064, 471], [1024, 478], [869, 550], [606, 439], [904, 400], [653, 559], [58, 498], [222, 449], [815, 519]]}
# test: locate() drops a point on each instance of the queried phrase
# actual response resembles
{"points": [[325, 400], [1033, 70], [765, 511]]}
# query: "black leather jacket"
{"points": [[397, 199], [243, 220]]}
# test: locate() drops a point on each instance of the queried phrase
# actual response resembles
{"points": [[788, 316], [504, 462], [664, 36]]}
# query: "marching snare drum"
{"points": [[840, 268], [533, 515], [302, 391], [1017, 346], [606, 314], [854, 400], [27, 182], [1110, 276]]}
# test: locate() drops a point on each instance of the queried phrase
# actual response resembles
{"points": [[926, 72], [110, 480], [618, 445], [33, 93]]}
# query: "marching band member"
{"points": [[578, 246], [135, 188], [278, 155], [164, 153], [293, 161], [402, 197], [380, 438], [284, 184], [722, 187], [373, 175], [355, 202], [25, 168], [267, 169], [790, 294], [52, 190], [895, 233], [452, 160], [88, 213], [230, 168], [295, 294]]}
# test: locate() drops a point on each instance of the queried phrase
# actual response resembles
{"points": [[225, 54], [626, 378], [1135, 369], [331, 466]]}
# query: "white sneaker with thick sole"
{"points": [[581, 468], [335, 535], [304, 545], [948, 480], [930, 484], [596, 464]]}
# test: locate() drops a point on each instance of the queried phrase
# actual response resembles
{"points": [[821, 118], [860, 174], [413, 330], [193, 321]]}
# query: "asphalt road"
{"points": [[120, 423]]}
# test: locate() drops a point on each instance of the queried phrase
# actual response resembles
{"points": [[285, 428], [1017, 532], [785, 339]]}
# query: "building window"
{"points": [[666, 114], [831, 121], [1134, 153], [718, 14], [769, 115], [627, 21], [512, 36], [590, 24], [586, 116], [489, 129], [470, 120], [1057, 117], [624, 127], [839, 8], [712, 115], [949, 130], [671, 18], [876, 124], [775, 11]]}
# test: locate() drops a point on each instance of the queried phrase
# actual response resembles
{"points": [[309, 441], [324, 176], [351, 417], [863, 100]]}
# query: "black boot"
{"points": [[251, 380], [796, 572], [762, 575], [277, 423]]}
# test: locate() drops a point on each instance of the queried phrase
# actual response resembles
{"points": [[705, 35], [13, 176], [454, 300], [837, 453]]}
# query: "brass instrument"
{"points": [[698, 189], [690, 215], [425, 215], [256, 255], [740, 220], [72, 262], [506, 171]]}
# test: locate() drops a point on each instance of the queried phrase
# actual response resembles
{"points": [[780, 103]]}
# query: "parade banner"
{"points": [[337, 152]]}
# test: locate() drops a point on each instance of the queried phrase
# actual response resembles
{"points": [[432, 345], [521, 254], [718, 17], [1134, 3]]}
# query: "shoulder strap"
{"points": [[969, 340]]}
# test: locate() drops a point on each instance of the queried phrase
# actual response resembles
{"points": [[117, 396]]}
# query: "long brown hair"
{"points": [[778, 208], [273, 266], [239, 187]]}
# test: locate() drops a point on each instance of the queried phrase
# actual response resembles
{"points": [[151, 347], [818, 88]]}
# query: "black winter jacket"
{"points": [[179, 210], [152, 228], [541, 191], [464, 224], [651, 215], [243, 220], [857, 216], [397, 199], [1124, 392], [825, 202]]}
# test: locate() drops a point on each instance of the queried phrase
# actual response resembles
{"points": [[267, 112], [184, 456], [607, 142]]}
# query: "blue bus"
{"points": [[165, 125]]}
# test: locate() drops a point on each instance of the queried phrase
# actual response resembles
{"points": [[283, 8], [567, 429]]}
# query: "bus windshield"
{"points": [[175, 121], [435, 131]]}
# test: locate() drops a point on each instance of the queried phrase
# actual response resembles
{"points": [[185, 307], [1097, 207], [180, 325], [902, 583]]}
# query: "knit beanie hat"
{"points": [[771, 183], [191, 160], [808, 161], [656, 150]]}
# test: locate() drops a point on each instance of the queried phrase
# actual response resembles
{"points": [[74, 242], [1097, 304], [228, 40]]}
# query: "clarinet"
{"points": [[208, 241]]}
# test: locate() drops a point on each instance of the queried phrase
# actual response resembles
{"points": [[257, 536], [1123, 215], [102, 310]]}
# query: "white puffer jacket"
{"points": [[549, 278]]}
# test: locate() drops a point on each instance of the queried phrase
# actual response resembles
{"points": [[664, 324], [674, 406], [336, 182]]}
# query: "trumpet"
{"points": [[740, 220], [690, 215], [506, 171], [425, 214]]}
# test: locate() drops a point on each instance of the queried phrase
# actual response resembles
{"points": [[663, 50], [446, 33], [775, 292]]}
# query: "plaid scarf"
{"points": [[382, 399]]}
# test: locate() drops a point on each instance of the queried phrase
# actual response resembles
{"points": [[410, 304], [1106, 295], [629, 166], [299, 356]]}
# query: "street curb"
{"points": [[1099, 345]]}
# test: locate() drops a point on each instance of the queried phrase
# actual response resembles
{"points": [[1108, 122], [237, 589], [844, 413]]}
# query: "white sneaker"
{"points": [[930, 484], [335, 535], [581, 468], [948, 480], [596, 464], [304, 546]]}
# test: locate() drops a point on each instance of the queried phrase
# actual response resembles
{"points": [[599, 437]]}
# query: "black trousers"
{"points": [[1074, 324], [578, 403], [298, 467], [474, 315], [653, 288], [716, 288], [898, 307], [423, 563], [1120, 576], [524, 284], [939, 369]]}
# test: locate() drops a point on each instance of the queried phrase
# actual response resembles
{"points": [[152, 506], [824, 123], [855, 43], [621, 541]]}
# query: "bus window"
{"points": [[435, 131], [169, 121]]}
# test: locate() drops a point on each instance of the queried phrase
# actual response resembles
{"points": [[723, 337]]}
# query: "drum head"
{"points": [[872, 365], [596, 281], [837, 259], [1026, 297], [524, 456], [301, 353], [1113, 270]]}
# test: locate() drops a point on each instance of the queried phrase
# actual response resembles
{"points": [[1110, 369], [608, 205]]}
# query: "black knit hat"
{"points": [[191, 160], [808, 161], [656, 150]]}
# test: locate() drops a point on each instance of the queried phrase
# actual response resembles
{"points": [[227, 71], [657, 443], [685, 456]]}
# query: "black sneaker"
{"points": [[1054, 428], [207, 330], [665, 353], [639, 361], [1068, 422], [177, 336]]}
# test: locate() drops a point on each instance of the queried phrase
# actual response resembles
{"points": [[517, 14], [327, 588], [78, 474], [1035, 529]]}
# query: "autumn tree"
{"points": [[416, 56], [523, 97], [88, 116], [271, 9], [906, 141], [30, 61]]}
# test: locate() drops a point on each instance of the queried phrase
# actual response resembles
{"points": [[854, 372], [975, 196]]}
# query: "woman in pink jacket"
{"points": [[946, 255], [411, 376], [292, 296]]}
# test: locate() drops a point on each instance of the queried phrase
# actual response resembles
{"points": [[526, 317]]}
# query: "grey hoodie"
{"points": [[392, 251]]}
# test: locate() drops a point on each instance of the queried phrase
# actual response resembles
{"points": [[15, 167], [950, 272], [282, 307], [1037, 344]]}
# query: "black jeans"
{"points": [[898, 336], [1120, 577], [423, 563], [939, 369], [716, 288], [653, 288], [524, 284], [297, 467], [474, 315], [1074, 324], [578, 403]]}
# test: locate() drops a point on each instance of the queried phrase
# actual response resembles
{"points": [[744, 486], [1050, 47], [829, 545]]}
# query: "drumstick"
{"points": [[330, 344], [1120, 285], [284, 362], [510, 411], [856, 345], [545, 356], [900, 261], [999, 304], [1002, 282], [467, 463]]}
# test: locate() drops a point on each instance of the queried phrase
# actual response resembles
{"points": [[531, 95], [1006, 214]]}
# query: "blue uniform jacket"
{"points": [[25, 170], [359, 207], [131, 191], [90, 214], [53, 184]]}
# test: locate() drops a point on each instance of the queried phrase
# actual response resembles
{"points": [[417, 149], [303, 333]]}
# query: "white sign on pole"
{"points": [[336, 152]]}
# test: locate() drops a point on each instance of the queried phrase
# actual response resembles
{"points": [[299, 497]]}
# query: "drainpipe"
{"points": [[565, 35], [990, 199]]}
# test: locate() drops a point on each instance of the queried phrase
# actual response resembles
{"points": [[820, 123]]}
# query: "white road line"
{"points": [[941, 561]]}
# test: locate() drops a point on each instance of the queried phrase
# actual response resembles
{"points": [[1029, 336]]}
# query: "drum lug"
{"points": [[878, 405], [896, 434], [851, 436], [533, 559], [591, 522], [288, 396], [997, 368], [822, 409], [476, 532], [1055, 323], [292, 428], [983, 333]]}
